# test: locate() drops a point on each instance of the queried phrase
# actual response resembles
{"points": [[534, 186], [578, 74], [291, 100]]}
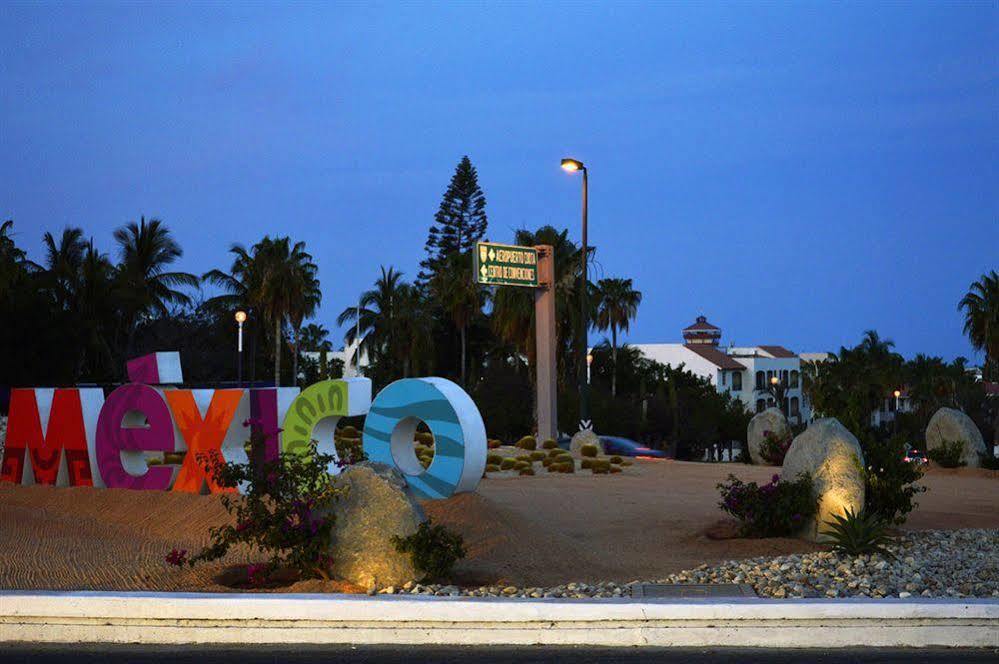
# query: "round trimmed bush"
{"points": [[425, 437], [537, 456], [521, 465], [549, 444], [526, 471], [615, 469], [349, 432], [616, 459], [600, 470], [508, 463], [589, 450], [492, 468], [527, 443], [494, 459], [555, 453], [493, 443], [586, 464]]}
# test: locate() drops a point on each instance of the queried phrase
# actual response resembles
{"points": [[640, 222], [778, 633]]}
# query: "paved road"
{"points": [[45, 654]]}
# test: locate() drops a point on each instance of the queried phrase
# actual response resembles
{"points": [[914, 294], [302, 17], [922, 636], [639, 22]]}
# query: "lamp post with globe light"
{"points": [[572, 166], [240, 319]]}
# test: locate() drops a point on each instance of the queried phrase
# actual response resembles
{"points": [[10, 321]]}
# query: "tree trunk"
{"points": [[614, 360], [463, 356], [277, 351], [294, 358]]}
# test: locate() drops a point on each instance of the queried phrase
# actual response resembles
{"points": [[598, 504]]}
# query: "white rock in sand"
{"points": [[771, 420], [949, 425], [582, 438], [832, 456]]}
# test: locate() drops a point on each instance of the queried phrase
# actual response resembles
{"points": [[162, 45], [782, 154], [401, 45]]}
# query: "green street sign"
{"points": [[506, 265]]}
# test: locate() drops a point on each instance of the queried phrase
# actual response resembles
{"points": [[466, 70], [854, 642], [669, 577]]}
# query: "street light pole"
{"points": [[573, 165], [240, 319]]}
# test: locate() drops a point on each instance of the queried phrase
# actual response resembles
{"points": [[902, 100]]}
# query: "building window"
{"points": [[795, 407], [759, 381], [723, 378], [761, 405], [794, 378], [737, 381], [783, 376], [770, 375]]}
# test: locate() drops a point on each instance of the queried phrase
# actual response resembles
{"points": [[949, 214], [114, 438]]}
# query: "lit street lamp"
{"points": [[571, 166], [589, 361], [240, 319], [897, 394]]}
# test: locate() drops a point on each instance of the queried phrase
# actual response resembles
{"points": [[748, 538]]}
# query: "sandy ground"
{"points": [[542, 530]]}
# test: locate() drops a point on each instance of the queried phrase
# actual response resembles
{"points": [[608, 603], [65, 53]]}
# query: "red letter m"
{"points": [[65, 432]]}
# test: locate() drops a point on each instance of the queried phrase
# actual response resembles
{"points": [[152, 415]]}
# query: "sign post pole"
{"points": [[544, 325], [529, 267]]}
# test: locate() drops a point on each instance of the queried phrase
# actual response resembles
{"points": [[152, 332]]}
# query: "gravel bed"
{"points": [[934, 563]]}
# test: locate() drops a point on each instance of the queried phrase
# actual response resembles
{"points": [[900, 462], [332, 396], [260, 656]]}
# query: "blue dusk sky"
{"points": [[797, 172]]}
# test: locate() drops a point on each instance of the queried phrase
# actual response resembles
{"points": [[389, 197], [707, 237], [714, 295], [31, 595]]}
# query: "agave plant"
{"points": [[856, 533]]}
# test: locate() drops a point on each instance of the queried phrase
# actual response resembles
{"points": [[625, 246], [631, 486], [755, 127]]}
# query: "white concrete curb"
{"points": [[108, 617]]}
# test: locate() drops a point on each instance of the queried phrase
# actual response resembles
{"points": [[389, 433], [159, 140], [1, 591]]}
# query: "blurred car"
{"points": [[916, 456], [625, 447]]}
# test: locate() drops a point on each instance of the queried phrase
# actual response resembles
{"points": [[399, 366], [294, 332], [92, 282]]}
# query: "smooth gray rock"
{"points": [[770, 419], [948, 424], [832, 456]]}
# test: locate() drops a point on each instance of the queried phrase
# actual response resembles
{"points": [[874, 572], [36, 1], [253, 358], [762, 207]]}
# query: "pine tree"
{"points": [[460, 221]]}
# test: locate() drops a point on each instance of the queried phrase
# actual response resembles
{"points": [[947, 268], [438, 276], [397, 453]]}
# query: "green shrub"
{"points": [[349, 432], [526, 458], [508, 463], [600, 470], [856, 534], [521, 465], [585, 464], [616, 459], [589, 450], [527, 443], [285, 511], [537, 456], [526, 471], [889, 479], [774, 448], [424, 437], [549, 444], [989, 462], [948, 455], [772, 510], [433, 549], [546, 462], [495, 459], [493, 443], [492, 468], [349, 450]]}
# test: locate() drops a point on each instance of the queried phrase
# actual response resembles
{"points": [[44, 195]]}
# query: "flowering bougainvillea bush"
{"points": [[773, 510], [774, 447], [284, 512]]}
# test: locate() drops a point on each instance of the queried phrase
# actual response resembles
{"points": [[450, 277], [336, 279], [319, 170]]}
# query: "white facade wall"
{"points": [[674, 355]]}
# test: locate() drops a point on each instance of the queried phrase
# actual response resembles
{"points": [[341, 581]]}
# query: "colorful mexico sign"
{"points": [[76, 437]]}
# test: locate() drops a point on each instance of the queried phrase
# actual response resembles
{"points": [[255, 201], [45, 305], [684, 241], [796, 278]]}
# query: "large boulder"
{"points": [[376, 506], [770, 419], [949, 425], [582, 438], [832, 456]]}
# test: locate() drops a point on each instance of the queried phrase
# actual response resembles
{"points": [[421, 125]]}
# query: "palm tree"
{"points": [[981, 317], [459, 295], [14, 263], [981, 323], [276, 282], [375, 318], [147, 249], [64, 260], [617, 305]]}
